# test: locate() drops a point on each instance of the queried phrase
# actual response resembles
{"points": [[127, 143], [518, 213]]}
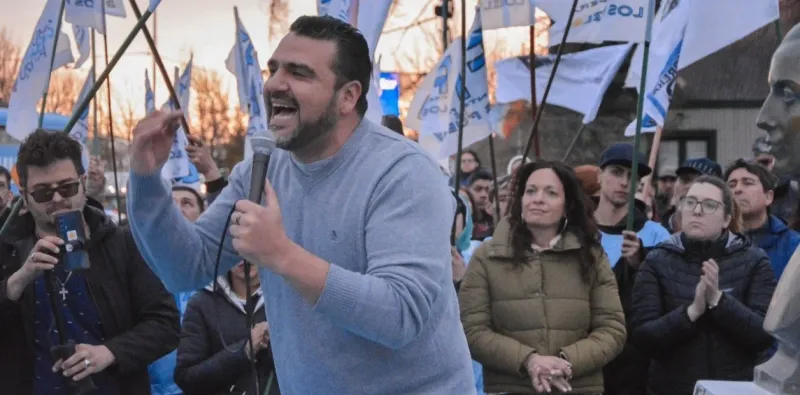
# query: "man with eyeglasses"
{"points": [[117, 311], [753, 188], [689, 171]]}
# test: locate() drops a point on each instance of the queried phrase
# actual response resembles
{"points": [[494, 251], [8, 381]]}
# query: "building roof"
{"points": [[736, 73]]}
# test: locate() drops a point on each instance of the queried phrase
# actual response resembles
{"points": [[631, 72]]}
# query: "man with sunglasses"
{"points": [[117, 311]]}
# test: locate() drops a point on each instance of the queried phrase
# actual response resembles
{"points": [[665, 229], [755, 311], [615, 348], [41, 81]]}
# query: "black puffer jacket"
{"points": [[723, 344]]}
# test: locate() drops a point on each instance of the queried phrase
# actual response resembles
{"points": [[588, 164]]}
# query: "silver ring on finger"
{"points": [[238, 217], [87, 363]]}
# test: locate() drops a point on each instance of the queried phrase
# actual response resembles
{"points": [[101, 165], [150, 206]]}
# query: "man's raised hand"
{"points": [[152, 141]]}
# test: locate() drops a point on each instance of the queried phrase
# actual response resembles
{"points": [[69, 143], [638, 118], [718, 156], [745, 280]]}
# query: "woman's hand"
{"points": [[547, 372], [711, 279], [459, 267], [698, 306]]}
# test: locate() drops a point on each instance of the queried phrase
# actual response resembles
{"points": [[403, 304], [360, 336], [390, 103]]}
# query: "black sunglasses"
{"points": [[45, 195]]}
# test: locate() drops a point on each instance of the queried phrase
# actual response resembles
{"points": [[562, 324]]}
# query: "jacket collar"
{"points": [[500, 244], [24, 226], [224, 289], [736, 242]]}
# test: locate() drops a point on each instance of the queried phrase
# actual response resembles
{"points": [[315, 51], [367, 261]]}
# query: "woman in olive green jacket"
{"points": [[539, 302]]}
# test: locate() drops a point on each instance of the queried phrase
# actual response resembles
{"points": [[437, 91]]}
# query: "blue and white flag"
{"points": [[434, 111], [153, 5], [80, 132], [177, 165], [501, 14], [82, 41], [662, 67], [115, 8], [34, 69], [596, 21], [149, 96], [243, 63], [86, 13]]}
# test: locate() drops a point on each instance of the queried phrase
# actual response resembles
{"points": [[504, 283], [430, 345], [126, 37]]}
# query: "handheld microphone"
{"points": [[263, 144]]}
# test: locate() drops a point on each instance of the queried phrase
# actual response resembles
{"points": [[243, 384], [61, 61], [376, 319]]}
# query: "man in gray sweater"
{"points": [[352, 237]]}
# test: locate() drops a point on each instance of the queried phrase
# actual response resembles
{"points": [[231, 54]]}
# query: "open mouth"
{"points": [[282, 110]]}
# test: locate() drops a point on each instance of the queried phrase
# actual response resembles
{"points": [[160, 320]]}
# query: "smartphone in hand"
{"points": [[71, 230]]}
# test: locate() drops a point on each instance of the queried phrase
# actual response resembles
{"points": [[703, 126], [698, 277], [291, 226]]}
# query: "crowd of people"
{"points": [[373, 273]]}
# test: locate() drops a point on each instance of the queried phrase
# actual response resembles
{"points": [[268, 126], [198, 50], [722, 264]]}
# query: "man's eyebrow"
{"points": [[294, 67]]}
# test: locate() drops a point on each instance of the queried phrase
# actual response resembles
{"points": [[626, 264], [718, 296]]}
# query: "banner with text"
{"points": [[596, 21], [86, 13]]}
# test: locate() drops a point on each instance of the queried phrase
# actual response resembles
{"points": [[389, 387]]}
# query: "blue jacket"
{"points": [[778, 241]]}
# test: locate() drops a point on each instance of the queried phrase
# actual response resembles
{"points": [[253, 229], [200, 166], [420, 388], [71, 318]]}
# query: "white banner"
{"points": [[243, 63], [115, 8], [86, 13], [436, 104], [34, 69], [177, 165], [82, 41], [580, 82], [369, 17], [596, 21], [497, 14], [80, 132], [662, 67], [149, 96]]}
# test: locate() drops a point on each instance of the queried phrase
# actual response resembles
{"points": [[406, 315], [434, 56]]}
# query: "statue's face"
{"points": [[780, 114]]}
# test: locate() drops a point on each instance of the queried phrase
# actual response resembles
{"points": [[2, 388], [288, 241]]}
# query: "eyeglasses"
{"points": [[708, 206], [45, 195]]}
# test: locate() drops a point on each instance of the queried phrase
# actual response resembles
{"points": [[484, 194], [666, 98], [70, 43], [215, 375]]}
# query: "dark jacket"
{"points": [[139, 316], [724, 343], [627, 373], [204, 365], [778, 241]]}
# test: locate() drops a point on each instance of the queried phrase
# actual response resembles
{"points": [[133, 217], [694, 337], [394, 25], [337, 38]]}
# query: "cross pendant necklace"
{"points": [[63, 292]]}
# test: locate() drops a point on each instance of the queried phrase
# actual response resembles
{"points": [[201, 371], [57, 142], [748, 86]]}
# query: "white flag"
{"points": [[80, 132], [580, 82], [662, 67], [243, 63], [177, 165], [82, 40], [153, 5], [86, 13], [596, 21], [149, 96], [436, 104], [499, 14], [115, 8], [34, 70], [715, 24]]}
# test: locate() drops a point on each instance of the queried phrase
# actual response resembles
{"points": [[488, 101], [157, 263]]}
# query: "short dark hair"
{"points": [[5, 173], [200, 201], [393, 123], [479, 175], [767, 179], [42, 148], [352, 62]]}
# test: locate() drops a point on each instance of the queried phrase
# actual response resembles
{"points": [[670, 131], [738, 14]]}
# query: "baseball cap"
{"points": [[622, 155], [700, 165], [667, 172]]}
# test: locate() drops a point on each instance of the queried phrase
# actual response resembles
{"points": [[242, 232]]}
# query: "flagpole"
{"points": [[461, 102], [154, 50], [163, 70], [532, 60], [95, 138], [639, 113], [573, 142], [111, 119], [52, 62], [496, 192], [540, 109]]}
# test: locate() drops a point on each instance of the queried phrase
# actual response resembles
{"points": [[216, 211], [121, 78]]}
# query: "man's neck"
{"points": [[328, 145], [239, 289], [753, 222], [608, 214]]}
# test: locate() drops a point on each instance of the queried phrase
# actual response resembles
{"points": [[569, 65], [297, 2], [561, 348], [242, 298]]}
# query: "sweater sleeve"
{"points": [[744, 321], [407, 231], [495, 351], [654, 329], [607, 332], [198, 369], [158, 226]]}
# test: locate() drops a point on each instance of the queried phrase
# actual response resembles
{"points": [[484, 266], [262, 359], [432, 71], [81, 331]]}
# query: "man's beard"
{"points": [[310, 131]]}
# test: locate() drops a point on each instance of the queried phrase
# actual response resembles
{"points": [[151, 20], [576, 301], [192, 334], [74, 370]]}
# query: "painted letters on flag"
{"points": [[436, 104], [82, 40], [80, 132], [580, 83], [178, 163], [153, 5], [662, 69], [86, 13], [115, 8], [243, 63], [33, 71], [497, 14], [596, 21]]}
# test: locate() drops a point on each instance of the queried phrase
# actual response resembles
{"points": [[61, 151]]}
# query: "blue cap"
{"points": [[622, 155], [700, 165]]}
